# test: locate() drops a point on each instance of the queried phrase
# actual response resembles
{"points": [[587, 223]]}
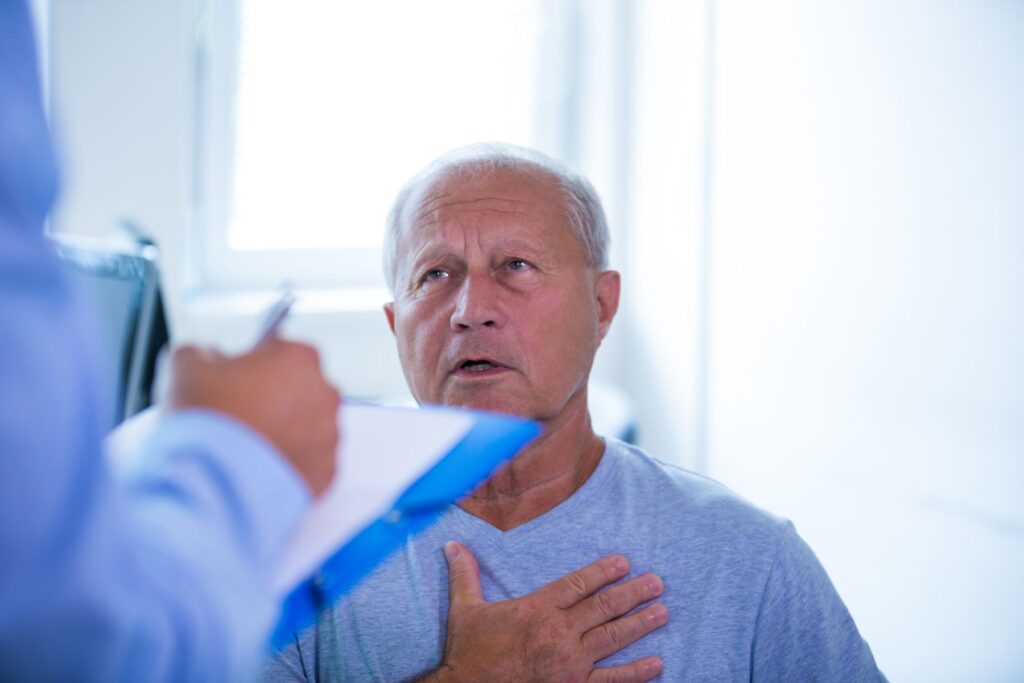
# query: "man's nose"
{"points": [[476, 303]]}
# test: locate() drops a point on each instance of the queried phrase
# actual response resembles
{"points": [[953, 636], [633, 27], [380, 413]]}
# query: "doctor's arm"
{"points": [[167, 576]]}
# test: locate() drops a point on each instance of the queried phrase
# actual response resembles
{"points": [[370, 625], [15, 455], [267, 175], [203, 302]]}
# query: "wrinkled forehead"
{"points": [[533, 195]]}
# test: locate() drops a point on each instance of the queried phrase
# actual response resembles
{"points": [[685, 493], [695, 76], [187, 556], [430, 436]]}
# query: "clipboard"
{"points": [[431, 457], [398, 469]]}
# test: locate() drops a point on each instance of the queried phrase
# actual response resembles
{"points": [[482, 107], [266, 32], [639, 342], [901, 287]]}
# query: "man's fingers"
{"points": [[609, 638], [635, 672], [582, 583], [616, 601], [463, 576]]}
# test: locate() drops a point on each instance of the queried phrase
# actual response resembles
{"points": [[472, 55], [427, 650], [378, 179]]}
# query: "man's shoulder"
{"points": [[682, 497]]}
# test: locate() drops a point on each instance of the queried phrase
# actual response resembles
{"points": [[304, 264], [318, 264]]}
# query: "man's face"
{"points": [[495, 305]]}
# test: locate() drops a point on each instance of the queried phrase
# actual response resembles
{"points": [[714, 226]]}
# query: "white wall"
{"points": [[867, 309], [663, 271]]}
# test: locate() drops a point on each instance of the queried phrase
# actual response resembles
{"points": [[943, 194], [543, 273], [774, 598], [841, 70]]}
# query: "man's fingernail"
{"points": [[657, 614], [652, 666], [451, 551], [654, 584], [620, 563]]}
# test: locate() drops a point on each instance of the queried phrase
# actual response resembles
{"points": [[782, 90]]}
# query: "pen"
{"points": [[275, 316], [271, 323]]}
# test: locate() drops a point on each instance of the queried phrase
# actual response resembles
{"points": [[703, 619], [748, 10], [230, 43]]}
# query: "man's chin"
{"points": [[495, 407], [503, 404]]}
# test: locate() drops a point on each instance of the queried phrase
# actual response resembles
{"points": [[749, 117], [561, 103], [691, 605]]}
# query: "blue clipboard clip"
{"points": [[492, 440]]}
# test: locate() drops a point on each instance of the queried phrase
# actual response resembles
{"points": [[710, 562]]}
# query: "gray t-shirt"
{"points": [[747, 598]]}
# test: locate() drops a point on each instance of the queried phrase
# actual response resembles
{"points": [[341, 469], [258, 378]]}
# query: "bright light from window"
{"points": [[339, 103]]}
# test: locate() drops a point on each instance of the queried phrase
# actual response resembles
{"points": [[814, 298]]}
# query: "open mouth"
{"points": [[478, 365]]}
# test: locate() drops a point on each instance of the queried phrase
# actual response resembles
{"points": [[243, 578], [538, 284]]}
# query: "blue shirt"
{"points": [[163, 577], [747, 599]]}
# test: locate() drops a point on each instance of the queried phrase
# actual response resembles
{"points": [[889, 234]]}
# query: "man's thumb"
{"points": [[463, 575]]}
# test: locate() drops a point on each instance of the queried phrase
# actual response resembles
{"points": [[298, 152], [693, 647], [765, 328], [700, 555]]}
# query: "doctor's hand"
{"points": [[278, 389], [556, 633]]}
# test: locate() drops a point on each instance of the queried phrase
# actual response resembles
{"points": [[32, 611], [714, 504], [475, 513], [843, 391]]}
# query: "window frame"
{"points": [[219, 267]]}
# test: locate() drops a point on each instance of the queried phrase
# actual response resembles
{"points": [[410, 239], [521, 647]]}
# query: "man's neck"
{"points": [[538, 479]]}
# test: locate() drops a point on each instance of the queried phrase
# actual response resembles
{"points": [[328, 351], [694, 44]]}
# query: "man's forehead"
{"points": [[435, 207], [498, 191]]}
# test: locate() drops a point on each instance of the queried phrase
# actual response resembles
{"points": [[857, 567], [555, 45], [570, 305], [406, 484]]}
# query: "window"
{"points": [[311, 115]]}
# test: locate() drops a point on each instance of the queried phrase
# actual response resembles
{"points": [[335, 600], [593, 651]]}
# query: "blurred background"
{"points": [[817, 207]]}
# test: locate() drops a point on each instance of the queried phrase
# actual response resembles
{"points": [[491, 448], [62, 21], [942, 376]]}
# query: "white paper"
{"points": [[383, 450]]}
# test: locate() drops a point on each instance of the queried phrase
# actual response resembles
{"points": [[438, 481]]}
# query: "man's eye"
{"points": [[518, 264], [434, 274]]}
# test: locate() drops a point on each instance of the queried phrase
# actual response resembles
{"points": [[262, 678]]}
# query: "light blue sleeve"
{"points": [[162, 577], [804, 631]]}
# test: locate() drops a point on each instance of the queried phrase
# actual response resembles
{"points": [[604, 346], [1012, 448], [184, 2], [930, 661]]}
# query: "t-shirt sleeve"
{"points": [[804, 631]]}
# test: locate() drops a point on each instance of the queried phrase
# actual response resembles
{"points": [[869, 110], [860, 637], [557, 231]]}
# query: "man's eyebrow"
{"points": [[438, 252], [429, 252]]}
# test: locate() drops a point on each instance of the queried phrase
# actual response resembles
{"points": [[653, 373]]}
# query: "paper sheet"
{"points": [[383, 450]]}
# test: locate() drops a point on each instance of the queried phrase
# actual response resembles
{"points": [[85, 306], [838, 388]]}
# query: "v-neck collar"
{"points": [[591, 489]]}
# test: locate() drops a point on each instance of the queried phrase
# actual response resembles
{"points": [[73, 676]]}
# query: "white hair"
{"points": [[582, 205]]}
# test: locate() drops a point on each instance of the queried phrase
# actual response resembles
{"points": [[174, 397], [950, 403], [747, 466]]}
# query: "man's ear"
{"points": [[389, 313], [606, 291]]}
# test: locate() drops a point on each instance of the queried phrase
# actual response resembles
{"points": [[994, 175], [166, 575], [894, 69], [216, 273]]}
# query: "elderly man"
{"points": [[497, 259]]}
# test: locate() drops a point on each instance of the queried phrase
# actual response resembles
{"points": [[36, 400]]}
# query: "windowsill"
{"points": [[252, 302]]}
